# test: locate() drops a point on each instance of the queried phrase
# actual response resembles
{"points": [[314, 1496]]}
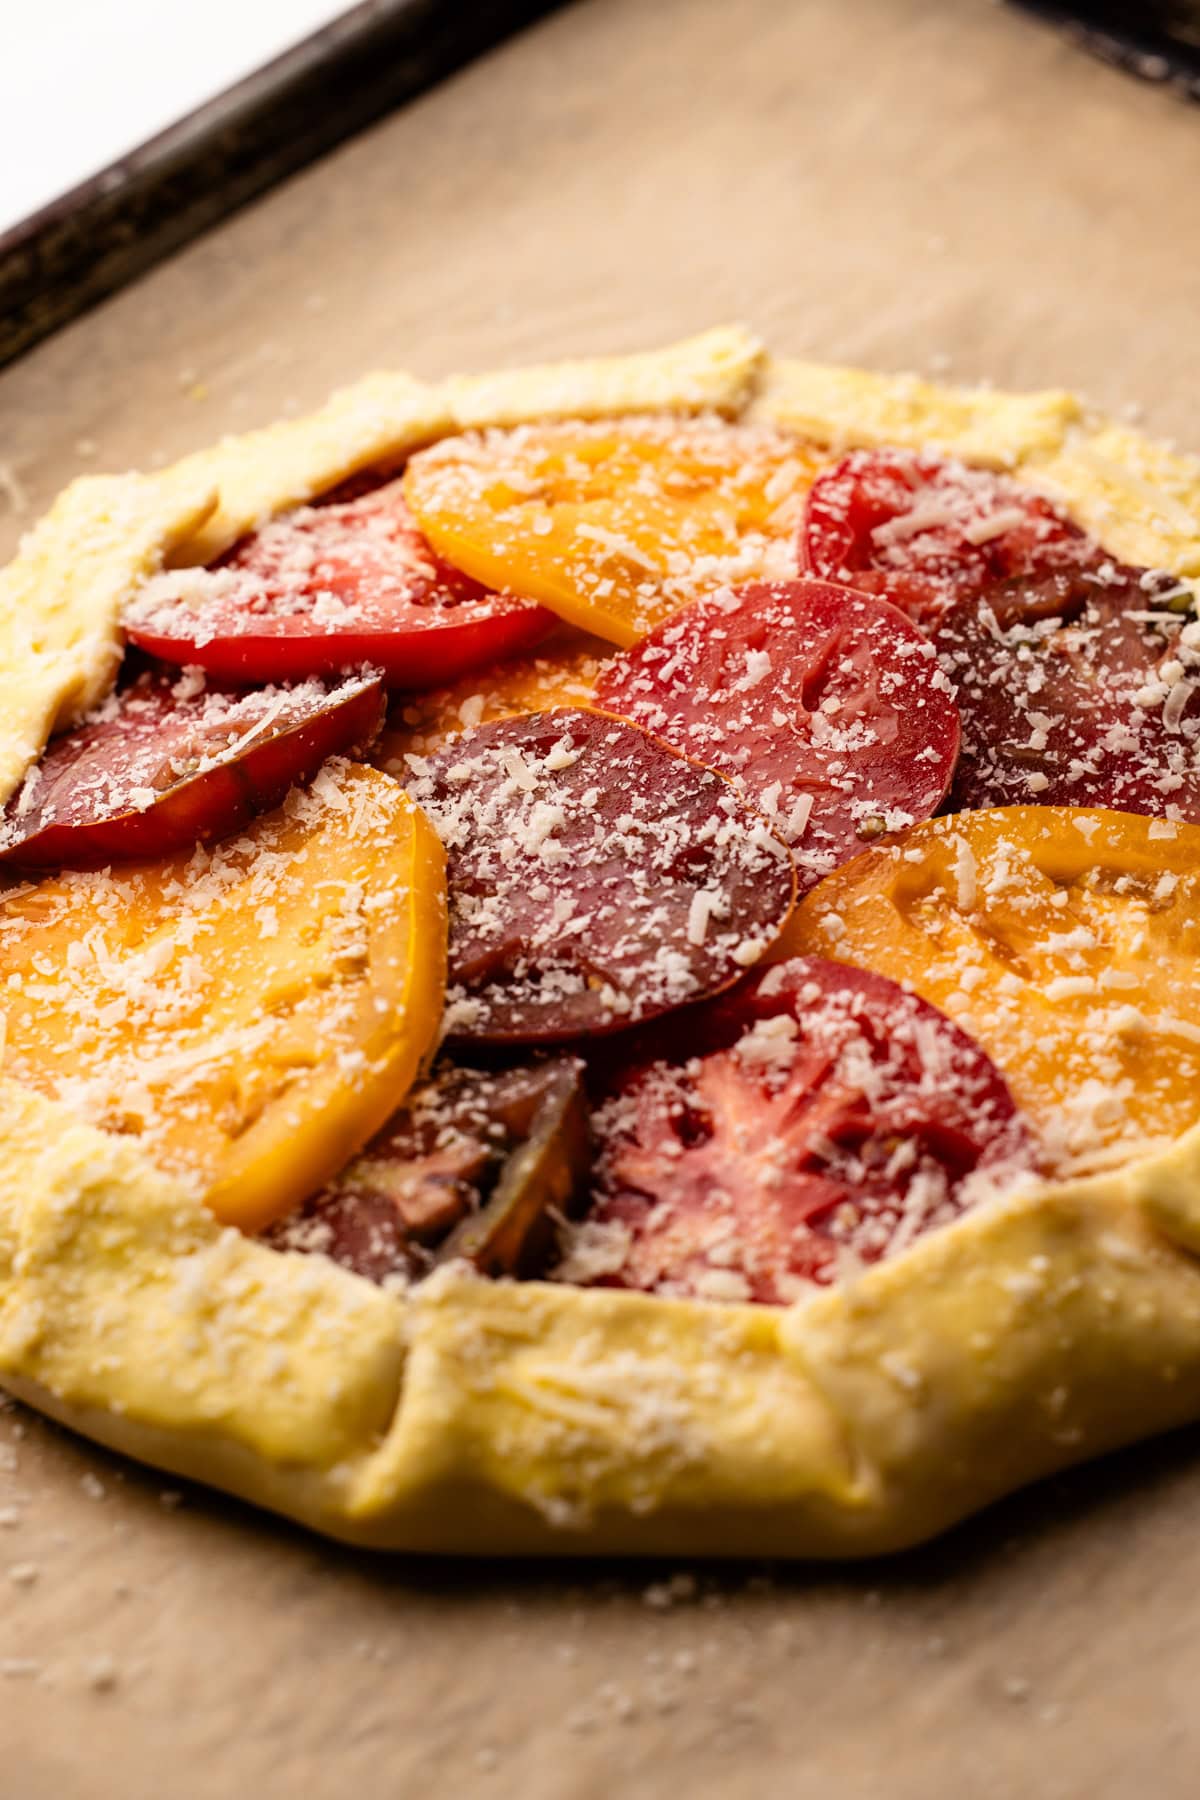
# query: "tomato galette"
{"points": [[602, 957]]}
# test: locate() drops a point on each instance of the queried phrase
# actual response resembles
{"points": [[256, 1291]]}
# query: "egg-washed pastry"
{"points": [[599, 958]]}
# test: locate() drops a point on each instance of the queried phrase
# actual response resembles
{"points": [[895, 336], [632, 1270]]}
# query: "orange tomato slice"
{"points": [[616, 525], [563, 675], [1064, 939], [253, 1012]]}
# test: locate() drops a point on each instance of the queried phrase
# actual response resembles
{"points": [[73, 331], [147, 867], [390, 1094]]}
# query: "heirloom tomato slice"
{"points": [[813, 1117], [615, 525], [251, 1011], [476, 1165], [596, 878], [168, 762], [923, 531], [564, 673], [343, 584], [1064, 939], [825, 707], [1078, 691]]}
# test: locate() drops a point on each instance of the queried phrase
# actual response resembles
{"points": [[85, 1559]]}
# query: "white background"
{"points": [[84, 81]]}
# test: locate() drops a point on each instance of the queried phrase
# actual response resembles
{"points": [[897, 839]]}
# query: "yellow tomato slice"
{"points": [[1065, 940], [615, 526], [560, 675], [252, 1011]]}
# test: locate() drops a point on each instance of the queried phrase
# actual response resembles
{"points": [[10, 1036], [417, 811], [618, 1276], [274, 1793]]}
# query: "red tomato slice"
{"points": [[1078, 691], [826, 707], [596, 878], [924, 532], [334, 587], [162, 765], [817, 1115]]}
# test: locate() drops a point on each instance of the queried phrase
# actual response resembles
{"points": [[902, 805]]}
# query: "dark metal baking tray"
{"points": [[1156, 39], [113, 227]]}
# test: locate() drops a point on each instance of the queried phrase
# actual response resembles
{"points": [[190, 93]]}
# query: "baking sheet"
{"points": [[911, 183], [121, 221], [1159, 42]]}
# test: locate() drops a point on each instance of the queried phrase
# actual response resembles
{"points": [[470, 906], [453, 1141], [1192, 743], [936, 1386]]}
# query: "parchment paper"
{"points": [[929, 184]]}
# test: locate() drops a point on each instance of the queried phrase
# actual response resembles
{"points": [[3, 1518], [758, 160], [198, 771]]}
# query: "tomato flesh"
{"points": [[1080, 691], [330, 587], [166, 763], [826, 707], [472, 1166], [1064, 939], [816, 1116], [562, 672], [923, 531], [618, 524], [596, 877], [251, 1011]]}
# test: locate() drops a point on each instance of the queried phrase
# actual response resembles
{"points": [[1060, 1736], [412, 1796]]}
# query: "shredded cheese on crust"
{"points": [[1052, 1325]]}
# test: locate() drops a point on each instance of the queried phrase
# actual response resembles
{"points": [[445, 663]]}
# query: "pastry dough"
{"points": [[62, 597], [853, 408], [481, 1416]]}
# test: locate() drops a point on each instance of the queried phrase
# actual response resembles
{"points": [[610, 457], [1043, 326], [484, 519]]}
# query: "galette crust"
{"points": [[479, 1417], [62, 597]]}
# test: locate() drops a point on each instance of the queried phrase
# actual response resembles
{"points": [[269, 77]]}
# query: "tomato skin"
{"points": [[416, 660], [923, 531], [342, 585], [77, 822], [814, 1112], [474, 1166], [823, 705]]}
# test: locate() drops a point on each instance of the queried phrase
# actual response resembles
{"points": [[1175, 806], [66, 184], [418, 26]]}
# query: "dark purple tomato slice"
{"points": [[478, 1164], [165, 763], [824, 706], [1084, 691], [596, 878], [813, 1119], [923, 531], [332, 587]]}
